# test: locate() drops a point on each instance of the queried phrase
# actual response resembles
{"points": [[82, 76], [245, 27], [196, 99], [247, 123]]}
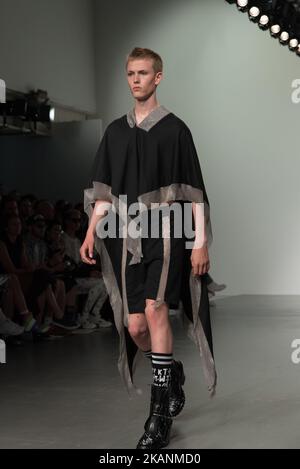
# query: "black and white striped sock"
{"points": [[161, 368]]}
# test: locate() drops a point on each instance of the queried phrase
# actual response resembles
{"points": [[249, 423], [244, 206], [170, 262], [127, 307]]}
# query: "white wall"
{"points": [[231, 83], [49, 45]]}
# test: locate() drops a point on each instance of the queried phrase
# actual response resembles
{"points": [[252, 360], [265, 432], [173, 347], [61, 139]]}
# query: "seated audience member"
{"points": [[9, 206], [36, 283], [61, 207], [61, 266], [89, 278], [25, 212], [45, 207]]}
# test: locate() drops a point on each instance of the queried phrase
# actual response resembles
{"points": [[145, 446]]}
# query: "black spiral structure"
{"points": [[280, 17]]}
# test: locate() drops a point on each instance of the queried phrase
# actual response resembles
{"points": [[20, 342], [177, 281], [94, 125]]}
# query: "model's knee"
{"points": [[138, 329], [156, 316]]}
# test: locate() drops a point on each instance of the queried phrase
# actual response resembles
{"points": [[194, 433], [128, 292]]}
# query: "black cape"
{"points": [[152, 162]]}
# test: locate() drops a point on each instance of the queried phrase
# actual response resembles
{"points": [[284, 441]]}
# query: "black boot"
{"points": [[158, 425], [177, 396]]}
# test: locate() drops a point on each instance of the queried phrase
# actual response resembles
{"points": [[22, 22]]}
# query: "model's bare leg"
{"points": [[162, 343], [159, 327], [138, 329], [158, 425], [152, 329]]}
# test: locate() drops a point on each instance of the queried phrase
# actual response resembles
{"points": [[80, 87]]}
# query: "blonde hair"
{"points": [[143, 53]]}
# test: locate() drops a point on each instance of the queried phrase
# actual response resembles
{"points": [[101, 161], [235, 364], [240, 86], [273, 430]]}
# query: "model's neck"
{"points": [[143, 108]]}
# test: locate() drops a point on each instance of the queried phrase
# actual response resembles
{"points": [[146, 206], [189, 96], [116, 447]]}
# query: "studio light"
{"points": [[29, 113], [254, 13], [284, 38], [280, 17], [275, 30], [293, 44], [242, 5], [264, 22], [52, 114], [38, 109]]}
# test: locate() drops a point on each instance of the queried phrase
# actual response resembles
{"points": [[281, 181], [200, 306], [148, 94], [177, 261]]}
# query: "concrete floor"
{"points": [[68, 394]]}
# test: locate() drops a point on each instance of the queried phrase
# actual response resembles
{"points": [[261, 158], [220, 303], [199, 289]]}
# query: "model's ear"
{"points": [[158, 77]]}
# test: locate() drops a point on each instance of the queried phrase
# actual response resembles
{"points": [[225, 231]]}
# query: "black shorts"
{"points": [[159, 272]]}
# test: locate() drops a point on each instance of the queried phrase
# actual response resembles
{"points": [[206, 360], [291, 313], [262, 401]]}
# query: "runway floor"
{"points": [[68, 393]]}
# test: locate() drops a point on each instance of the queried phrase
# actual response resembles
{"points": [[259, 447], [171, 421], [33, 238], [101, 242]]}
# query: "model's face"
{"points": [[140, 75]]}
